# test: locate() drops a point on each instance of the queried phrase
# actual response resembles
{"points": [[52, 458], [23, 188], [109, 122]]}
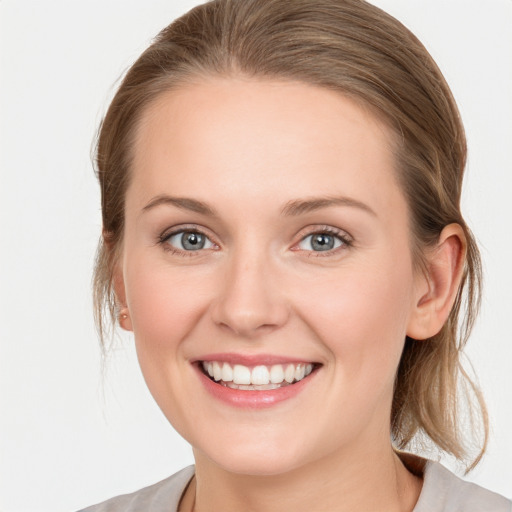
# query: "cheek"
{"points": [[165, 303], [362, 316]]}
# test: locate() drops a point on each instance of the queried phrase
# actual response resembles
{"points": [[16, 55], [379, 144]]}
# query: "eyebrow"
{"points": [[185, 203], [302, 206], [295, 207]]}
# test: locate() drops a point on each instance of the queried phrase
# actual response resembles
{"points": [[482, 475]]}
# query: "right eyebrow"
{"points": [[185, 203]]}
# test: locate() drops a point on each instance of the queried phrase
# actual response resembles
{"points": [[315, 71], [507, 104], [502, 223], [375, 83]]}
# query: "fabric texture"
{"points": [[442, 492]]}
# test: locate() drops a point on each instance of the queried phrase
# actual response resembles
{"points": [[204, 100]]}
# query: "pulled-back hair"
{"points": [[352, 47]]}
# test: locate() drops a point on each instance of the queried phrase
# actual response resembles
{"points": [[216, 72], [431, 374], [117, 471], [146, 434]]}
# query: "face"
{"points": [[267, 243]]}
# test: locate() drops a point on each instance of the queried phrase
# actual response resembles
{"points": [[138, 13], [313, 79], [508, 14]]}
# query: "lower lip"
{"points": [[249, 398]]}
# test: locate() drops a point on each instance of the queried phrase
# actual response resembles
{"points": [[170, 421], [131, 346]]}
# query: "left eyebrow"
{"points": [[302, 206]]}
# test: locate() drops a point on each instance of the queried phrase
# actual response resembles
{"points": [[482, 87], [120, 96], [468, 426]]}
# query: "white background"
{"points": [[69, 439]]}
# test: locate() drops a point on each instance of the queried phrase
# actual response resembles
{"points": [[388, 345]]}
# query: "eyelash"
{"points": [[346, 241]]}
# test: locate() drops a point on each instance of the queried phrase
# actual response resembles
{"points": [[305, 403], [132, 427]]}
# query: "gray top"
{"points": [[442, 492]]}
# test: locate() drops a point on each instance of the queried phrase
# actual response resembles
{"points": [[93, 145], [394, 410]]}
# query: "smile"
{"points": [[257, 378]]}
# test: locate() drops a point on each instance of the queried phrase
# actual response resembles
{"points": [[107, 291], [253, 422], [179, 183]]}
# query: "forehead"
{"points": [[237, 137]]}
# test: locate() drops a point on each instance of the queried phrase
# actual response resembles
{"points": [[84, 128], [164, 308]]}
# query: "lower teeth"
{"points": [[250, 387]]}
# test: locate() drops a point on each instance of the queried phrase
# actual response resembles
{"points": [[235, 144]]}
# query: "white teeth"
{"points": [[208, 368], [299, 372], [217, 371], [289, 373], [227, 372], [260, 375], [276, 374], [264, 387], [241, 374]]}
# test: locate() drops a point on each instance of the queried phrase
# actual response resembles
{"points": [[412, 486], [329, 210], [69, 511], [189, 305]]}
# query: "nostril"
{"points": [[249, 303], [248, 330]]}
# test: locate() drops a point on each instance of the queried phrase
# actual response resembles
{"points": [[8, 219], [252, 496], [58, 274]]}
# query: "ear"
{"points": [[438, 287], [122, 311]]}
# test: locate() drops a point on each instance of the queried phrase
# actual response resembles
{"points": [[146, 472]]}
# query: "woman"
{"points": [[282, 233]]}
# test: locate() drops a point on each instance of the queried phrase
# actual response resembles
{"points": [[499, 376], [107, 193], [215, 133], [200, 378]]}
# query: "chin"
{"points": [[256, 459], [272, 465]]}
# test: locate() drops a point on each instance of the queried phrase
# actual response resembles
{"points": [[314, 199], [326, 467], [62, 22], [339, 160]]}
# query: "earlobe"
{"points": [[125, 320], [123, 316], [439, 285]]}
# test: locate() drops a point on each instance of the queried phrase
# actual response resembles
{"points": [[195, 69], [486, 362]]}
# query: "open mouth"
{"points": [[256, 378]]}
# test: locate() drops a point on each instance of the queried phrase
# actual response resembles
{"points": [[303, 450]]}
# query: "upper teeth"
{"points": [[257, 375]]}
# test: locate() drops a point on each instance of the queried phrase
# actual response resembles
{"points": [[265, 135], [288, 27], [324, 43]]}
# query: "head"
{"points": [[368, 67]]}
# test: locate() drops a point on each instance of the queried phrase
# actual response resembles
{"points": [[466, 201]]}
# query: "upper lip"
{"points": [[252, 359]]}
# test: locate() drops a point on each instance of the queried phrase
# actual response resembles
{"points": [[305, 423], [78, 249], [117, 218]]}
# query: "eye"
{"points": [[321, 242], [188, 241]]}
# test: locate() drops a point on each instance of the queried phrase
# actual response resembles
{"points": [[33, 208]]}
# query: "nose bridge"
{"points": [[250, 302]]}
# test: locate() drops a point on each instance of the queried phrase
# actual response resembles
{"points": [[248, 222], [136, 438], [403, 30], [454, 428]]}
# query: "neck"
{"points": [[372, 480]]}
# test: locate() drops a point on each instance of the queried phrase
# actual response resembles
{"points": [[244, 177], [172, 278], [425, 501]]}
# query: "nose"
{"points": [[250, 301]]}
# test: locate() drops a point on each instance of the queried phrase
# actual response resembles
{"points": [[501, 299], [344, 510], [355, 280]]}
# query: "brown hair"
{"points": [[355, 48]]}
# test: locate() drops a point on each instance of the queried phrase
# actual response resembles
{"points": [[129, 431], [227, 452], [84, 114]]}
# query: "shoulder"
{"points": [[445, 492], [160, 497]]}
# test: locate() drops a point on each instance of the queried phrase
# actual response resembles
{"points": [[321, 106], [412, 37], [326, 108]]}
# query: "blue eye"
{"points": [[189, 241], [320, 242]]}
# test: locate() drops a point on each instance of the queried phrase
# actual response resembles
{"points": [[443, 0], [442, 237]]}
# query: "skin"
{"points": [[248, 149]]}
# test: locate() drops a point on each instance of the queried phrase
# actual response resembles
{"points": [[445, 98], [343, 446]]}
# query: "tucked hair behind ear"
{"points": [[355, 48]]}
